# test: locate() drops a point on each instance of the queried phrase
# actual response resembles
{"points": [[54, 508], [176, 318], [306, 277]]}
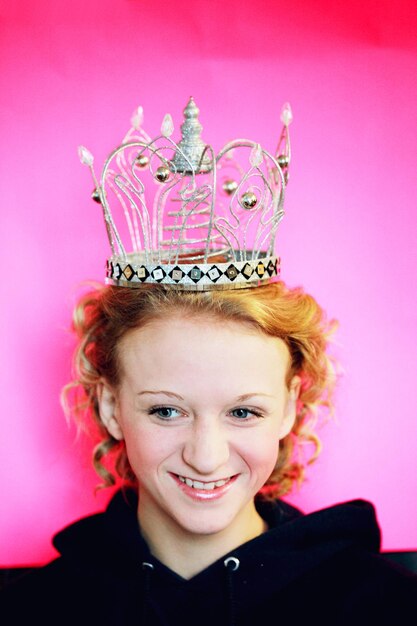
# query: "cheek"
{"points": [[261, 453], [146, 449]]}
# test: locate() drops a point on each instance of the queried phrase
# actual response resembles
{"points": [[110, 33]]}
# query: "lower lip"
{"points": [[205, 494]]}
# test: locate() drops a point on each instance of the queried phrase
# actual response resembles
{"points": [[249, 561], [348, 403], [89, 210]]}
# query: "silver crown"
{"points": [[193, 220]]}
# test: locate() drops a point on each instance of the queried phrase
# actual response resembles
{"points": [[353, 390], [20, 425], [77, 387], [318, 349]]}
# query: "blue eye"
{"points": [[164, 412], [242, 413]]}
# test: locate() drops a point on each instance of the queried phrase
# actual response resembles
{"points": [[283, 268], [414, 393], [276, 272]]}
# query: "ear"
{"points": [[290, 412], [109, 409]]}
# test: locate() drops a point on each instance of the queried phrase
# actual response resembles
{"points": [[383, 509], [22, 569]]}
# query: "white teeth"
{"points": [[220, 483], [196, 484]]}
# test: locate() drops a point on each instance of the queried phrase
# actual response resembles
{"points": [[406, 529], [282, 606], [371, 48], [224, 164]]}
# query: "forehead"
{"points": [[202, 349]]}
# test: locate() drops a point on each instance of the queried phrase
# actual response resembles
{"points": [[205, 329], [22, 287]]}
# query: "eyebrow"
{"points": [[161, 391], [171, 394]]}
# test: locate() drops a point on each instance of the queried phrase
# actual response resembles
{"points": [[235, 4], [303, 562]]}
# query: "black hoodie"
{"points": [[324, 567]]}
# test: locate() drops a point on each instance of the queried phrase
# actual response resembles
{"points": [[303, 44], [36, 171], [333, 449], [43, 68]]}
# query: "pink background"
{"points": [[71, 73]]}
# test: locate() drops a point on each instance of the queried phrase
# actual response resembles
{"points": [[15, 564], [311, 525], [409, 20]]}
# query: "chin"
{"points": [[205, 530], [204, 526]]}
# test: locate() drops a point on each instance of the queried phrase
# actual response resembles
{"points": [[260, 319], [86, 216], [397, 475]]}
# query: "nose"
{"points": [[206, 448]]}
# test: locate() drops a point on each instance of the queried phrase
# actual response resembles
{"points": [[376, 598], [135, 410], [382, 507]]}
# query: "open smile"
{"points": [[198, 484], [204, 490]]}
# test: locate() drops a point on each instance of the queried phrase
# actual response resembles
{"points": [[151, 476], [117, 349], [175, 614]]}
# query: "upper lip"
{"points": [[200, 480]]}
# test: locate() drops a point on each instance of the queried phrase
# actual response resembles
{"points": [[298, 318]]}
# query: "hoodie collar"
{"points": [[113, 538]]}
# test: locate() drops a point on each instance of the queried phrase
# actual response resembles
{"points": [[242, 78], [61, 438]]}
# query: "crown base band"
{"points": [[189, 277]]}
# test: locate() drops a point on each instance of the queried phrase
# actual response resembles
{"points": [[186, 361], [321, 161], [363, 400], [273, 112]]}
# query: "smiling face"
{"points": [[202, 405]]}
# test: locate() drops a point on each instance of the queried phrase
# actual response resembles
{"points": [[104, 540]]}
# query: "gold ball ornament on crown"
{"points": [[248, 200], [162, 174]]}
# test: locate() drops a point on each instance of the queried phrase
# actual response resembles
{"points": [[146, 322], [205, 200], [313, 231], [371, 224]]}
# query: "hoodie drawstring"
{"points": [[148, 569], [231, 564]]}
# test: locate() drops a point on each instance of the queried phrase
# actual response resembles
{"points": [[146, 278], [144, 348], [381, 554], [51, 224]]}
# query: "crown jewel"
{"points": [[179, 215]]}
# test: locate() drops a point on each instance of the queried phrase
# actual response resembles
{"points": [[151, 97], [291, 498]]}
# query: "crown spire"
{"points": [[191, 156]]}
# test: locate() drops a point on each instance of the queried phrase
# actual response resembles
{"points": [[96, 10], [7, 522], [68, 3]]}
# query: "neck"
{"points": [[187, 553]]}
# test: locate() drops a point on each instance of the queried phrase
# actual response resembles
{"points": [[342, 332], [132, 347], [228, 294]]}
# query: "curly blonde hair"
{"points": [[104, 316]]}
